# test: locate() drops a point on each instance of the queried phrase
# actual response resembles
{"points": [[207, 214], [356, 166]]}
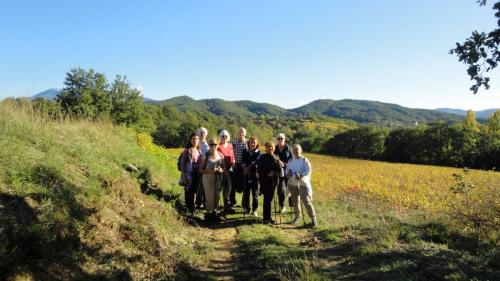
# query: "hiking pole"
{"points": [[243, 196], [274, 204], [280, 208]]}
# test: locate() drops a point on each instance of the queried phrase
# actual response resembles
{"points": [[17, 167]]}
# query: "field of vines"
{"points": [[470, 198]]}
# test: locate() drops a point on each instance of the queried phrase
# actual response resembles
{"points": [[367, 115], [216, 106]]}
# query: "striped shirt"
{"points": [[238, 147]]}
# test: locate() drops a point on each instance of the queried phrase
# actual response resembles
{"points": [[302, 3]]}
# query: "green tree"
{"points": [[470, 122], [480, 52], [127, 103], [489, 143], [404, 145], [85, 94], [365, 142]]}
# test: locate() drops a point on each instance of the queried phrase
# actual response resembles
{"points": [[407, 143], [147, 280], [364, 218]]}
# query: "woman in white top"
{"points": [[299, 171]]}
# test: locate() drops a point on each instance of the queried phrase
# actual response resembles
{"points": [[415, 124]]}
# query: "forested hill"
{"points": [[373, 112], [361, 111]]}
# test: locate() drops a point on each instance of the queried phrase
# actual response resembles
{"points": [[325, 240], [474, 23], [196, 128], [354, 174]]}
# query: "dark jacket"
{"points": [[267, 163], [250, 160], [285, 155]]}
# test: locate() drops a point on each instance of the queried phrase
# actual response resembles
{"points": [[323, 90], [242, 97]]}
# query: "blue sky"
{"points": [[282, 52]]}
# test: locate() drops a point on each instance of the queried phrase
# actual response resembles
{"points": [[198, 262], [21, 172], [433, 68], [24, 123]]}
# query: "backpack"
{"points": [[179, 162]]}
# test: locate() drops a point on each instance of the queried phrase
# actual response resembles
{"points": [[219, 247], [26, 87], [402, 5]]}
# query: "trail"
{"points": [[223, 265], [226, 259]]}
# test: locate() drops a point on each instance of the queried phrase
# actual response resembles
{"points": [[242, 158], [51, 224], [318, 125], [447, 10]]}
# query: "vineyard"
{"points": [[406, 188]]}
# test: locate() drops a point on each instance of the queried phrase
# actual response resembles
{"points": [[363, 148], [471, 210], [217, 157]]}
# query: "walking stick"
{"points": [[283, 203], [274, 203]]}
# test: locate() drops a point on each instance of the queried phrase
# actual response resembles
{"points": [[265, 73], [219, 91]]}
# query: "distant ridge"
{"points": [[481, 114], [51, 94], [361, 111]]}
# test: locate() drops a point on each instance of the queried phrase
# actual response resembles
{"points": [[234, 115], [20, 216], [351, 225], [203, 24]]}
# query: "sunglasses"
{"points": [[224, 136], [279, 138], [213, 144]]}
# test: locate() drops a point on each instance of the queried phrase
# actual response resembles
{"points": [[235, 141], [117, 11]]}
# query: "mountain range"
{"points": [[481, 114], [361, 111]]}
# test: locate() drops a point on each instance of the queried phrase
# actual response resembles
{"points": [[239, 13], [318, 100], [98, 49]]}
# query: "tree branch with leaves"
{"points": [[480, 52]]}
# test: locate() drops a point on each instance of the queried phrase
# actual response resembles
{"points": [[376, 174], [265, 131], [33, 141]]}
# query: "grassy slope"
{"points": [[69, 210]]}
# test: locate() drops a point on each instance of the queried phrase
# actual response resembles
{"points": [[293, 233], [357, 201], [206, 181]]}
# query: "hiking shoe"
{"points": [[296, 220], [254, 213], [283, 210], [314, 223], [268, 221]]}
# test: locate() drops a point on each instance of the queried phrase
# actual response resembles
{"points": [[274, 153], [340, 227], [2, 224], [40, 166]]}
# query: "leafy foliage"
{"points": [[480, 52], [465, 144], [88, 94]]}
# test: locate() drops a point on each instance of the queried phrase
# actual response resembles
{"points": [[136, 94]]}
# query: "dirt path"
{"points": [[225, 263]]}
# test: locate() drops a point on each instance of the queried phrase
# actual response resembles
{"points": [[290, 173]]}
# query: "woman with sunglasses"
{"points": [[226, 148], [268, 167], [212, 168]]}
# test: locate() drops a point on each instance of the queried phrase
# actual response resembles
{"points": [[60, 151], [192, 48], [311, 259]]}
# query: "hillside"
{"points": [[361, 111], [481, 114], [70, 211], [373, 112]]}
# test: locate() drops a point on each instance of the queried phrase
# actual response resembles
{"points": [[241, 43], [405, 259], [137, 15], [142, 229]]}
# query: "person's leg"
{"points": [[189, 199], [245, 201], [227, 191], [234, 185], [307, 200], [294, 190], [200, 195], [209, 186], [254, 186], [268, 192], [290, 202], [281, 192], [195, 184]]}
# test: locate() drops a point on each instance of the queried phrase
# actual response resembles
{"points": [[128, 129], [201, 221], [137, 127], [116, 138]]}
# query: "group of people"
{"points": [[215, 166]]}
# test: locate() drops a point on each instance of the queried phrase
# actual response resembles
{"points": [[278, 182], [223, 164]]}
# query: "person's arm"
{"points": [[306, 169], [222, 162], [288, 171], [202, 165], [231, 154]]}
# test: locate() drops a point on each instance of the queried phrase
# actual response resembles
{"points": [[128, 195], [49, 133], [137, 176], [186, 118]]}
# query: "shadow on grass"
{"points": [[46, 250], [422, 252], [39, 233]]}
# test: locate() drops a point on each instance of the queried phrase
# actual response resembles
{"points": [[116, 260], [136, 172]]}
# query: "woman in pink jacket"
{"points": [[226, 148]]}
